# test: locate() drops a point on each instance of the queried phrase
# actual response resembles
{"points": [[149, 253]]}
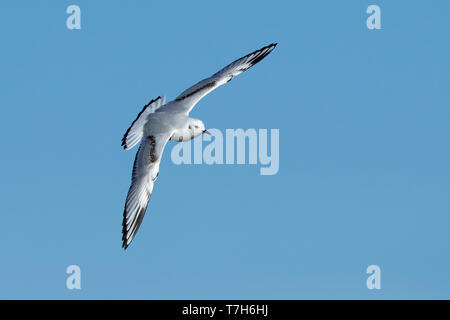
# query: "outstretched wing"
{"points": [[145, 172], [189, 98], [136, 130]]}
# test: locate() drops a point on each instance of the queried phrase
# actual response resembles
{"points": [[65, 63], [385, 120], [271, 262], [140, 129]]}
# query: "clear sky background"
{"points": [[364, 155]]}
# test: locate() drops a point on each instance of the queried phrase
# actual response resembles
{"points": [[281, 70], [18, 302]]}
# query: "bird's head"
{"points": [[197, 127]]}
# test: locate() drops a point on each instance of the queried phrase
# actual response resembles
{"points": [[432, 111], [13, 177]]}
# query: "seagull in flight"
{"points": [[158, 123]]}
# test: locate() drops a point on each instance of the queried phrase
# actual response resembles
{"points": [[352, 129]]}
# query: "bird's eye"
{"points": [[196, 127]]}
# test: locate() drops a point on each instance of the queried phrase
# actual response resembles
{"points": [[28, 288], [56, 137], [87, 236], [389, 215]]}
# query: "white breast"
{"points": [[182, 135], [185, 134]]}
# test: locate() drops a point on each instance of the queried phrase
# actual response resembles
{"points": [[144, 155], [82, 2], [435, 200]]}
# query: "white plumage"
{"points": [[158, 123]]}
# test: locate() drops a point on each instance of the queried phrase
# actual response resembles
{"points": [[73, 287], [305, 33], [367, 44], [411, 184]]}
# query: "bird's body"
{"points": [[158, 123]]}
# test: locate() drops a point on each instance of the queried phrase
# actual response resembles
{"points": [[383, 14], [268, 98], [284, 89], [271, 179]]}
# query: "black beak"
{"points": [[207, 132]]}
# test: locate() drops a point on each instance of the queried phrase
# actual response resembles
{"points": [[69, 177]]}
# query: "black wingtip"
{"points": [[272, 45], [124, 234], [124, 144], [260, 54], [124, 241]]}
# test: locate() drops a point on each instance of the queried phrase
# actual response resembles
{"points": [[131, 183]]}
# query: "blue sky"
{"points": [[364, 160]]}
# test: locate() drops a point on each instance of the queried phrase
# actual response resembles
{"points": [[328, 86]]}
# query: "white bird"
{"points": [[158, 123]]}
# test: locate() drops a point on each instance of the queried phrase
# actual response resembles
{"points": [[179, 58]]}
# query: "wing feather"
{"points": [[135, 132], [145, 173], [189, 98]]}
